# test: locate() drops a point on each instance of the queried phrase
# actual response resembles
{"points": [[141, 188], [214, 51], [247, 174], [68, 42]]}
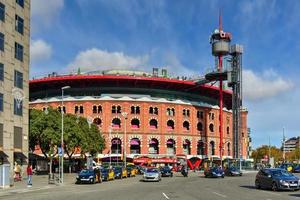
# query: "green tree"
{"points": [[262, 151]]}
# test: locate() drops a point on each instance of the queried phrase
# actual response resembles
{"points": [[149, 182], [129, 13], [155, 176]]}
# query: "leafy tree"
{"points": [[260, 153]]}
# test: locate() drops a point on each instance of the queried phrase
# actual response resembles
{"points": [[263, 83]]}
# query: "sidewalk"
{"points": [[39, 182]]}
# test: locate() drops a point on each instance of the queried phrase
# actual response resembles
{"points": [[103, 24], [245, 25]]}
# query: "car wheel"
{"points": [[222, 176], [257, 184], [172, 175], [92, 181], [274, 186]]}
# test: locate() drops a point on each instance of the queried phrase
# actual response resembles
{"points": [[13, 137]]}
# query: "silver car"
{"points": [[152, 174]]}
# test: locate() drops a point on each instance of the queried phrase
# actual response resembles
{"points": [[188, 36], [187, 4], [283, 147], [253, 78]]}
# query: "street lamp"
{"points": [[124, 114], [62, 133], [222, 152]]}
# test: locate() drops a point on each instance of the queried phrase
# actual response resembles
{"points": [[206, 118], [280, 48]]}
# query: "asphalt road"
{"points": [[193, 187]]}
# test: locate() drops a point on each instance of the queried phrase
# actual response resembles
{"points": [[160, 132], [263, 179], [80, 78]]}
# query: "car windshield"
{"points": [[85, 171], [151, 170], [281, 173]]}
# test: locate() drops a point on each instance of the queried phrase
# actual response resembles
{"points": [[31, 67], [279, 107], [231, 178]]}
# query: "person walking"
{"points": [[29, 175]]}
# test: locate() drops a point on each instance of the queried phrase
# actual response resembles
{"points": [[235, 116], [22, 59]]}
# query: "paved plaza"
{"points": [[193, 187]]}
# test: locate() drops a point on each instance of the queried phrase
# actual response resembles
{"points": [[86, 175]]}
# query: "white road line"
{"points": [[165, 196], [221, 195]]}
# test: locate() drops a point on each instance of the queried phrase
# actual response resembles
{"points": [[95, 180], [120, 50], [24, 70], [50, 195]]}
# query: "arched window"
{"points": [[200, 148], [186, 125], [99, 109], [228, 130], [113, 109], [151, 110], [97, 121], [135, 123], [168, 111], [153, 124], [170, 125], [186, 147], [155, 110], [116, 123], [172, 112], [171, 149], [211, 128], [135, 146], [200, 114], [153, 146], [59, 109], [118, 109], [81, 109], [212, 148], [116, 146], [199, 126], [135, 110]]}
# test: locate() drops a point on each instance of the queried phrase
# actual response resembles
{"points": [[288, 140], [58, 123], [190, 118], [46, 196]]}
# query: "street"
{"points": [[193, 187]]}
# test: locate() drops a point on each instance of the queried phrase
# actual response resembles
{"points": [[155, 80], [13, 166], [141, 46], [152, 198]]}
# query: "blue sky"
{"points": [[141, 34]]}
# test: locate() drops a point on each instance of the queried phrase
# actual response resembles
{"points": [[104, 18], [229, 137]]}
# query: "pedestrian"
{"points": [[17, 170], [29, 175]]}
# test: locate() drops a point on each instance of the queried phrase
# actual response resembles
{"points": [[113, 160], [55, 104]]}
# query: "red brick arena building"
{"points": [[165, 116]]}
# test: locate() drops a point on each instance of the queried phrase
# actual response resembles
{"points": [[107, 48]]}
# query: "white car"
{"points": [[152, 174]]}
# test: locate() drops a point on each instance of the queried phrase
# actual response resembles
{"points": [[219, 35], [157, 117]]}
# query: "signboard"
{"points": [[59, 151]]}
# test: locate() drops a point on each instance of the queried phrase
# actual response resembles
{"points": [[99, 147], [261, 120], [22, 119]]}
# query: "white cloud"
{"points": [[97, 59], [269, 84], [43, 12], [39, 51]]}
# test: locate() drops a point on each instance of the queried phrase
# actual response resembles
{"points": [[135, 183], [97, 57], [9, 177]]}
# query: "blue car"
{"points": [[166, 171], [276, 179], [214, 172], [296, 169], [88, 176], [233, 171]]}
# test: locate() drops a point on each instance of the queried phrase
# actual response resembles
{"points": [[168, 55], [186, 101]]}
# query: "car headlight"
{"points": [[283, 182], [91, 177], [77, 176], [214, 172]]}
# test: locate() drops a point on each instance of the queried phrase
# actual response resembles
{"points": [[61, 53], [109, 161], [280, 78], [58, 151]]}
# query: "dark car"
{"points": [[276, 179], [88, 176], [120, 172], [166, 171], [296, 169], [214, 172], [287, 166], [233, 171]]}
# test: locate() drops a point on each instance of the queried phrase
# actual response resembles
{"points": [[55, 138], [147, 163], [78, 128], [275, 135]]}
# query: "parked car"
{"points": [[88, 176], [120, 172], [296, 169], [141, 169], [152, 174], [233, 171], [276, 179], [166, 171], [130, 171], [287, 166], [214, 172], [108, 174]]}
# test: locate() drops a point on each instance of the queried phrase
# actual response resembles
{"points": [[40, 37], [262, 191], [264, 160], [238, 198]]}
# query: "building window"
{"points": [[135, 110], [116, 123], [212, 148], [19, 51], [18, 135], [116, 109], [199, 126], [97, 121], [76, 109], [1, 72], [211, 128], [228, 149], [211, 116], [18, 81], [1, 42], [20, 2], [2, 12], [1, 102], [153, 110], [186, 112], [18, 108], [186, 125], [153, 124], [228, 130], [135, 123], [81, 109], [170, 111], [97, 109], [59, 109], [199, 114], [170, 125], [19, 24]]}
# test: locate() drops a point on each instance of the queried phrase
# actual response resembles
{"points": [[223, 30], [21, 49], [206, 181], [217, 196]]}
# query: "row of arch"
{"points": [[153, 146]]}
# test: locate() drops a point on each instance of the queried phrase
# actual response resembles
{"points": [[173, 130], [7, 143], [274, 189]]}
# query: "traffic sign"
{"points": [[60, 151]]}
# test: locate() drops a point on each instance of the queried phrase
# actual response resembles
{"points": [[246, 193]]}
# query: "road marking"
{"points": [[165, 196], [221, 195]]}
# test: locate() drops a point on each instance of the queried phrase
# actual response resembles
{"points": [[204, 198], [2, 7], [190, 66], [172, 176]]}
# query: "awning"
{"points": [[19, 155], [3, 155], [134, 142]]}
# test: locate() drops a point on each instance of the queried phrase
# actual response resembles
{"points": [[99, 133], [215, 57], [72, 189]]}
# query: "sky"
{"points": [[174, 34]]}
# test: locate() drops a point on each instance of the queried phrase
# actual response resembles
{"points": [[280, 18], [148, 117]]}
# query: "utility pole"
{"points": [[283, 145], [269, 151]]}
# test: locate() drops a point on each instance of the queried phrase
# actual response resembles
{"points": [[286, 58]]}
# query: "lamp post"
{"points": [[124, 114], [62, 133], [222, 152]]}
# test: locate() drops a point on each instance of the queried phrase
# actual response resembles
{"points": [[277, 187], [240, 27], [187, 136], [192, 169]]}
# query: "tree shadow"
{"points": [[248, 187], [294, 195]]}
